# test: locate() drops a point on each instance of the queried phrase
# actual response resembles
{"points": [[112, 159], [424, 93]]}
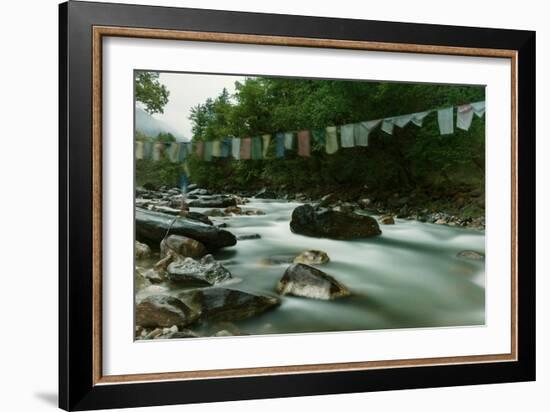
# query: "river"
{"points": [[409, 277]]}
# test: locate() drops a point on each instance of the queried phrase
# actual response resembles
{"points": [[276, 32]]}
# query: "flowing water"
{"points": [[408, 277]]}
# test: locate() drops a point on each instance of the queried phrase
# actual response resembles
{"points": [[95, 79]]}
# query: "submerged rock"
{"points": [[249, 236], [213, 201], [142, 250], [164, 311], [182, 247], [278, 259], [320, 222], [470, 255], [190, 271], [307, 281], [152, 227], [312, 257], [222, 304]]}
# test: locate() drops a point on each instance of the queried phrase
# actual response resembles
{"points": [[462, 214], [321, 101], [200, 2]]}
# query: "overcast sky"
{"points": [[188, 90]]}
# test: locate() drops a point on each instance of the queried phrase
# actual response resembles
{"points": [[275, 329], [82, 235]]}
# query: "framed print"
{"points": [[257, 205]]}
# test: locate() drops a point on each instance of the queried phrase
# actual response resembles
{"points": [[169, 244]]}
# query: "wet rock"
{"points": [[213, 201], [151, 227], [214, 213], [249, 236], [166, 209], [266, 194], [198, 192], [441, 221], [328, 200], [386, 220], [190, 271], [222, 304], [164, 311], [233, 210], [470, 255], [141, 282], [320, 222], [312, 257], [253, 212], [307, 281], [154, 275], [197, 216], [182, 247], [142, 250], [365, 203]]}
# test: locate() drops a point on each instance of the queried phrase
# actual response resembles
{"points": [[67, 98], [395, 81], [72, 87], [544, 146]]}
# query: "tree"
{"points": [[151, 92]]}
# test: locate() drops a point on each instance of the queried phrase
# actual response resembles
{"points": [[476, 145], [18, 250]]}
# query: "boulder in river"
{"points": [[470, 255], [320, 222], [213, 201], [152, 227], [205, 271], [164, 311], [182, 247], [222, 304], [312, 257], [142, 250], [307, 281]]}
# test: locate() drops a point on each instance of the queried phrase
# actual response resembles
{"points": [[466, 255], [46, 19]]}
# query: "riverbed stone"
{"points": [[223, 304], [312, 257], [142, 250], [387, 220], [204, 271], [307, 281], [320, 222], [266, 194], [182, 247], [151, 227], [213, 201], [154, 275], [163, 311]]}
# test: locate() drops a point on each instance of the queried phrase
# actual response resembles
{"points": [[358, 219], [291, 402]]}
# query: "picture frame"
{"points": [[83, 27]]}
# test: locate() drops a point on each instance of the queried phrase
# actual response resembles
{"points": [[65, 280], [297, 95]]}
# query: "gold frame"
{"points": [[102, 31]]}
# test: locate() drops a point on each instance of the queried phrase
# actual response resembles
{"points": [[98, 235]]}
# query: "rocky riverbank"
{"points": [[183, 291]]}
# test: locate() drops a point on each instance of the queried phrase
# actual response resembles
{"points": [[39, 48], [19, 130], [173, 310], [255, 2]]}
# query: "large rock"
{"points": [[151, 227], [222, 304], [307, 281], [182, 247], [213, 201], [319, 222], [205, 271], [164, 311]]}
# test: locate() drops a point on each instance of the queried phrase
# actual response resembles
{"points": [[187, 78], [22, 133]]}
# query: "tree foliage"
{"points": [[411, 157], [151, 92]]}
